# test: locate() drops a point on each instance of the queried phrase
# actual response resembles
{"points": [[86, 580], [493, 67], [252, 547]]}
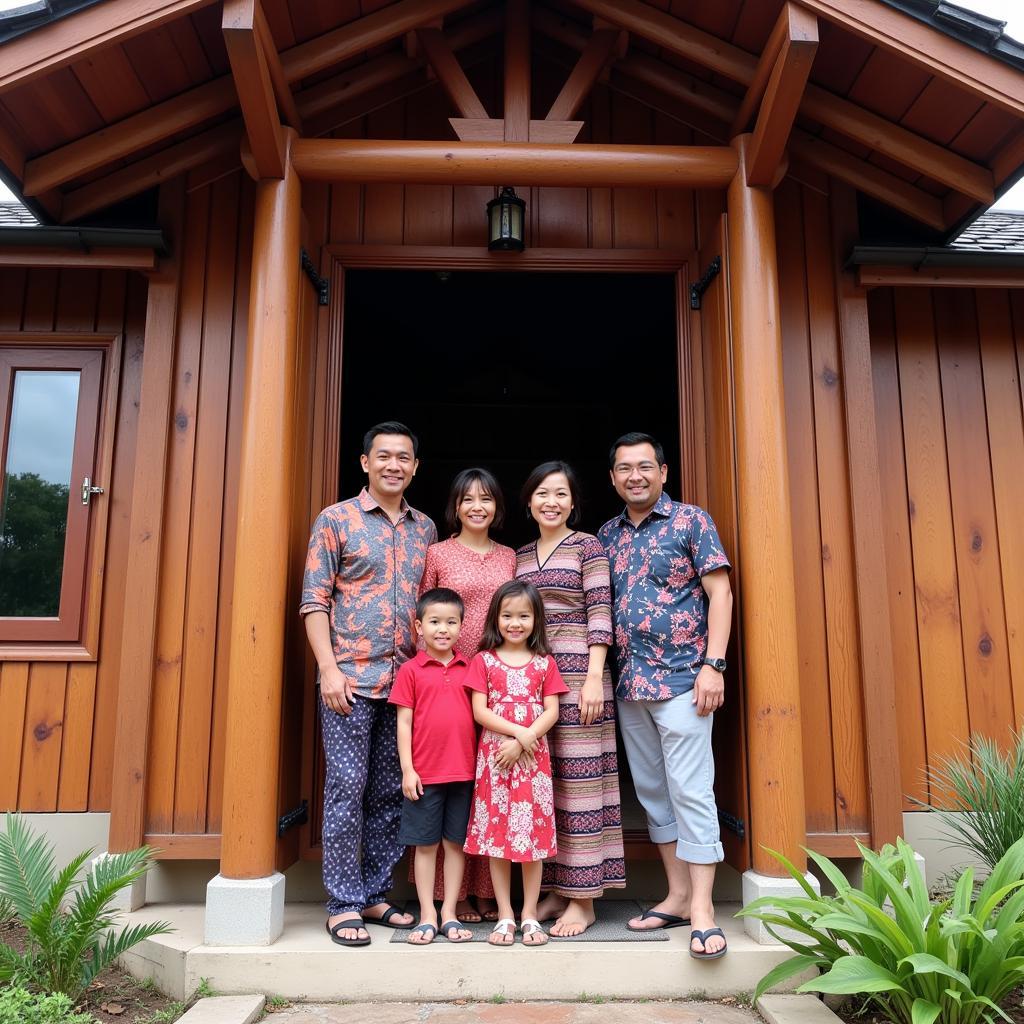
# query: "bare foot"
{"points": [[712, 943], [673, 907], [465, 911], [453, 933], [504, 933], [551, 906], [348, 933], [577, 917], [385, 913], [533, 934], [488, 908], [423, 934]]}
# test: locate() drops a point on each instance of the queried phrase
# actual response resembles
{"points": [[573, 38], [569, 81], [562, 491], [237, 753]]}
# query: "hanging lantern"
{"points": [[505, 218]]}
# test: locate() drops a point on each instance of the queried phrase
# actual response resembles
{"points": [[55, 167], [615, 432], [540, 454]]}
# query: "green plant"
{"points": [[497, 998], [989, 785], [204, 991], [19, 1006], [920, 961], [168, 1015], [66, 913]]}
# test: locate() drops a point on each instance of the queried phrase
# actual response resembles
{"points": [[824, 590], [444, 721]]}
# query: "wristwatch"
{"points": [[718, 664]]}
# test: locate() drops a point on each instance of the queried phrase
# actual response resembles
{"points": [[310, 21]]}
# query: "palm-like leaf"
{"points": [[26, 867]]}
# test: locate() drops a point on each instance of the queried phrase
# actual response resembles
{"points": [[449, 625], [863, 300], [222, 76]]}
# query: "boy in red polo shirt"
{"points": [[437, 748]]}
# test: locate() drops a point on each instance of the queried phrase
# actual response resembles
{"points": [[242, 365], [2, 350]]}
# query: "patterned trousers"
{"points": [[362, 804]]}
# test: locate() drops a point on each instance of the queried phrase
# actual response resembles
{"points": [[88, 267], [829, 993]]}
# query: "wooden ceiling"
{"points": [[107, 102]]}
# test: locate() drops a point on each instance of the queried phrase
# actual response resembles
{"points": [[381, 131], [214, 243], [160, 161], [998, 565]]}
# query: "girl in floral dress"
{"points": [[474, 565], [515, 686]]}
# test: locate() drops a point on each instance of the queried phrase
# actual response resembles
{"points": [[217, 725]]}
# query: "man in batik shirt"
{"points": [[363, 570], [672, 611]]}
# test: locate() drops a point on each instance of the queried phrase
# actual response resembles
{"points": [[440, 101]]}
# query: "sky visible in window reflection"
{"points": [[42, 438]]}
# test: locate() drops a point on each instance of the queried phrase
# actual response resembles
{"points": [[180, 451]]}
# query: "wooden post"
{"points": [[259, 609], [771, 667]]}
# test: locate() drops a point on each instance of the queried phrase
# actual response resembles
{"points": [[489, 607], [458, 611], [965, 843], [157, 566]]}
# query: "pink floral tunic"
{"points": [[513, 815]]}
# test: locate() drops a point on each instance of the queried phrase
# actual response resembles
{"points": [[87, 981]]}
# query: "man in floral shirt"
{"points": [[363, 570], [672, 612]]}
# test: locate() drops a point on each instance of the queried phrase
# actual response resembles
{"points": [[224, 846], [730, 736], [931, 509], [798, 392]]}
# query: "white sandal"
{"points": [[502, 927], [529, 927]]}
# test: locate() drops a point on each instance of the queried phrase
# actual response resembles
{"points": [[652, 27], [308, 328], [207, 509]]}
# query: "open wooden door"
{"points": [[715, 484]]}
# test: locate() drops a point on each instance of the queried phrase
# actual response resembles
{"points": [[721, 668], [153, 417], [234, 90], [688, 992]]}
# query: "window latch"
{"points": [[88, 491]]}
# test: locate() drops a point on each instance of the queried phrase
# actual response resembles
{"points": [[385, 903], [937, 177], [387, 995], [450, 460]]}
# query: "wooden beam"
{"points": [[255, 88], [181, 846], [449, 73], [517, 71], [70, 39], [744, 119], [207, 101], [964, 66], [838, 844], [282, 88], [940, 277], [492, 129], [595, 56], [843, 116], [470, 163], [782, 94], [95, 259]]}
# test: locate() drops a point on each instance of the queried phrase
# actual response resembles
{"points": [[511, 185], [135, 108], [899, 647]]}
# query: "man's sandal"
{"points": [[355, 923], [429, 930], [671, 921], [385, 918], [702, 937], [457, 926], [507, 927], [531, 929]]}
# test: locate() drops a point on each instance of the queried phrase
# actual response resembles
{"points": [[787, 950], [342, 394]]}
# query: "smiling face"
{"points": [[440, 627], [476, 509], [390, 466], [636, 476], [551, 502], [515, 620]]}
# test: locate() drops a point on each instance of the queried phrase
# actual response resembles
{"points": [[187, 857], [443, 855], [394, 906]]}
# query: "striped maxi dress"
{"points": [[575, 584]]}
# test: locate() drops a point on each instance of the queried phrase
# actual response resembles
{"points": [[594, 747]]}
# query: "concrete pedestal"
{"points": [[244, 911], [756, 886]]}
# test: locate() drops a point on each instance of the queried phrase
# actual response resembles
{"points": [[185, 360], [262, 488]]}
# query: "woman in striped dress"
{"points": [[570, 569]]}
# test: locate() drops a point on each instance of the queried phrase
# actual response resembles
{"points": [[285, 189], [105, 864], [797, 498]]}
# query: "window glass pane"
{"points": [[37, 482]]}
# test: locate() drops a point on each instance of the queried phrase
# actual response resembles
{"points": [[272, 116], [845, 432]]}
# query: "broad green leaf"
{"points": [[925, 963], [852, 974], [784, 971], [924, 1012], [839, 881]]}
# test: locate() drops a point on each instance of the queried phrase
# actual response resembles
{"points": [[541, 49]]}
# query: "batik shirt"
{"points": [[659, 607], [364, 571]]}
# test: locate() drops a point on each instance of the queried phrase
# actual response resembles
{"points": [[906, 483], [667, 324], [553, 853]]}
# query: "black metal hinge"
{"points": [[732, 823], [321, 284], [698, 288], [298, 816]]}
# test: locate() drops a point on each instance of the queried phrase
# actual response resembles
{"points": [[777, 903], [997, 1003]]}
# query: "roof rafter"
{"points": [[70, 39], [785, 86], [818, 104], [449, 73], [191, 108], [596, 54]]}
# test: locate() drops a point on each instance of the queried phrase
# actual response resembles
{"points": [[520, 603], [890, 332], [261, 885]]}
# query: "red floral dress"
{"points": [[513, 815]]}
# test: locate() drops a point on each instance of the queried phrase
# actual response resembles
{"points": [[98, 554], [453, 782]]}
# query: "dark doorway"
{"points": [[506, 370]]}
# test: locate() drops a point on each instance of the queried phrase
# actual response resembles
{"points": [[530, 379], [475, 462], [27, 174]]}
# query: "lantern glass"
{"points": [[505, 219]]}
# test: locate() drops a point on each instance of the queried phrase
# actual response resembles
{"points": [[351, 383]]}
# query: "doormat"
{"points": [[609, 927]]}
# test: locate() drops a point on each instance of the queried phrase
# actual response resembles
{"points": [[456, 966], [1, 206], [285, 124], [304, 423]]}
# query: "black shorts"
{"points": [[442, 811]]}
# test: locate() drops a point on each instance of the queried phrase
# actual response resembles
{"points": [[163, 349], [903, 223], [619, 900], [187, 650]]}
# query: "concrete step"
{"points": [[305, 965]]}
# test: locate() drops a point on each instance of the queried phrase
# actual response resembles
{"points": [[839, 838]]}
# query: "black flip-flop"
{"points": [[457, 925], [671, 921], [702, 937], [385, 918], [422, 928], [352, 922]]}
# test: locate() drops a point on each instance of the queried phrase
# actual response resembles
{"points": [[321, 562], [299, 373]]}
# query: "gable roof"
{"points": [[994, 231]]}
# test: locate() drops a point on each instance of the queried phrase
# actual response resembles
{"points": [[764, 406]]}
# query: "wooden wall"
{"points": [[947, 371], [57, 717]]}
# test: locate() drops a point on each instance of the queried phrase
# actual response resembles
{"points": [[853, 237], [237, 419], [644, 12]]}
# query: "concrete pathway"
{"points": [[671, 1012]]}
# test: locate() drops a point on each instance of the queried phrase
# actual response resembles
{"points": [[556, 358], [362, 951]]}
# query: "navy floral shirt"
{"points": [[659, 607], [364, 571]]}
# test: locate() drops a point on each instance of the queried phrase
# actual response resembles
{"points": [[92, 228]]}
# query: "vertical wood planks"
{"points": [[79, 707], [13, 699], [41, 742], [982, 619], [931, 525]]}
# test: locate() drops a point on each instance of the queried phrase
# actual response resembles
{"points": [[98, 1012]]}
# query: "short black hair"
{"points": [[460, 488], [390, 427], [538, 639], [439, 595], [637, 438], [545, 469]]}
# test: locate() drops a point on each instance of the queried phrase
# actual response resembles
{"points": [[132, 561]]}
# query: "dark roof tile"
{"points": [[14, 215], [995, 231]]}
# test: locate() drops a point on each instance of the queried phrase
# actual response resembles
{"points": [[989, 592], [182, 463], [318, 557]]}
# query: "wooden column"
{"points": [[259, 611], [777, 809]]}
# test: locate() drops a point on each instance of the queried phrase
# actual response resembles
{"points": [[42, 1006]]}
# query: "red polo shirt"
{"points": [[443, 730]]}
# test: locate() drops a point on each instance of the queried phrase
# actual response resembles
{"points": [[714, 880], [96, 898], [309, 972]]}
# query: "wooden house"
{"points": [[262, 228]]}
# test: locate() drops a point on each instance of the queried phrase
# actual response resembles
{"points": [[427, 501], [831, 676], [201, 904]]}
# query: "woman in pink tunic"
{"points": [[474, 566]]}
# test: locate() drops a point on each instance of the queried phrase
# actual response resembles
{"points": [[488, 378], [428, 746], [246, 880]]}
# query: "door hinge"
{"points": [[321, 284], [732, 823], [298, 816], [699, 287]]}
